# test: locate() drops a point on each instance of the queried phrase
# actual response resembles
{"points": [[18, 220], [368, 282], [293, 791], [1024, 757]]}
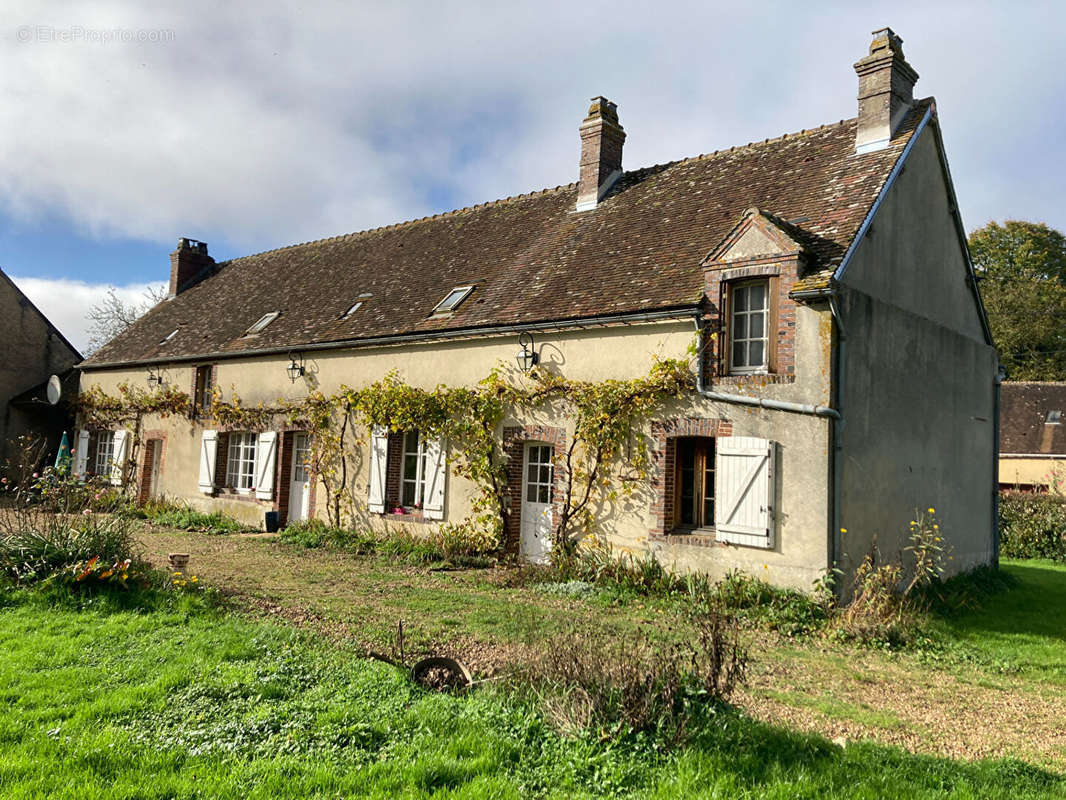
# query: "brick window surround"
{"points": [[664, 435], [781, 273], [515, 439]]}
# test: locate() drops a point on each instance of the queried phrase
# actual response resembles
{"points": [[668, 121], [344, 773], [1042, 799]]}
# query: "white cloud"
{"points": [[278, 123], [66, 302]]}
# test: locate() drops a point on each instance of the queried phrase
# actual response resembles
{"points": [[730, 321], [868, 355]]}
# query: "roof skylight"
{"points": [[352, 310], [262, 322], [169, 336], [1054, 417], [453, 299]]}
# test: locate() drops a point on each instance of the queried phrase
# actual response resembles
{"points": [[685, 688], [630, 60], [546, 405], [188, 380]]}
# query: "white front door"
{"points": [[157, 460], [536, 526], [300, 487]]}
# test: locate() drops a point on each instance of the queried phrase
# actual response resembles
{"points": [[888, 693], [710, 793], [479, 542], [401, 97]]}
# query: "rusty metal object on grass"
{"points": [[442, 674]]}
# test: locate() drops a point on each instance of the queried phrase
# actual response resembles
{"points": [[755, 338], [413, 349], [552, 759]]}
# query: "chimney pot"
{"points": [[602, 138], [886, 91], [186, 263]]}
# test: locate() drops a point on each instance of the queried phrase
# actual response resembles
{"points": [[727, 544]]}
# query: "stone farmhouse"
{"points": [[844, 373]]}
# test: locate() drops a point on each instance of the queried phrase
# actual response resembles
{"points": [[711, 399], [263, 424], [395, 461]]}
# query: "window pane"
{"points": [[531, 492], [531, 474], [740, 298], [545, 455], [755, 354], [544, 495], [740, 326], [545, 474], [739, 353], [410, 441], [410, 466], [408, 494], [755, 325], [757, 296]]}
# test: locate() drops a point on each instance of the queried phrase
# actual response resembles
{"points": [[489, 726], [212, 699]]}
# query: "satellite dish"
{"points": [[55, 389]]}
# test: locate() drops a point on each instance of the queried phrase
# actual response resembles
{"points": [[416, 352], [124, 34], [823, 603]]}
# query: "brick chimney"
{"points": [[601, 152], [886, 91], [186, 262]]}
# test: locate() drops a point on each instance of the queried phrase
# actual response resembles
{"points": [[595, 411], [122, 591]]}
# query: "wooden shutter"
{"points": [[379, 459], [208, 448], [81, 455], [744, 491], [265, 458], [436, 477], [119, 446]]}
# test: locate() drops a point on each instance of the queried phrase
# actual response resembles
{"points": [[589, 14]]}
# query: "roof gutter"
{"points": [[638, 318]]}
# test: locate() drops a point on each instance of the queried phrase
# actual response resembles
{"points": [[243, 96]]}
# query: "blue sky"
{"points": [[125, 125]]}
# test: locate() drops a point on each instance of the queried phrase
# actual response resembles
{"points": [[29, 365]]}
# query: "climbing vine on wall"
{"points": [[606, 454]]}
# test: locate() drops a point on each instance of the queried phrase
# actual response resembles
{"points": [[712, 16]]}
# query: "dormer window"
{"points": [[262, 322], [352, 310], [1053, 418], [169, 336], [453, 299]]}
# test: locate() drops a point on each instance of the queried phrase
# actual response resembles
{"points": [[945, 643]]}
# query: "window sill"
{"points": [[247, 496], [697, 537], [753, 379], [407, 515]]}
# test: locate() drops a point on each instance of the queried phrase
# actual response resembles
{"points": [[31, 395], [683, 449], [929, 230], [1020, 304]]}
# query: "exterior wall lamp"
{"points": [[296, 367], [155, 380], [528, 356]]}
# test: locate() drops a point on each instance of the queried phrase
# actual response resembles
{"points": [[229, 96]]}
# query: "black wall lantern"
{"points": [[154, 378], [295, 368], [528, 356]]}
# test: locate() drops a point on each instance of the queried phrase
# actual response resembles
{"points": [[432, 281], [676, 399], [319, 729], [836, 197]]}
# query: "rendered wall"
{"points": [[31, 352], [800, 551], [918, 378]]}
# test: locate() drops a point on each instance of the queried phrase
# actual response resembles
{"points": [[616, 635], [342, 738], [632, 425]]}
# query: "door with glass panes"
{"points": [[537, 477], [694, 499], [300, 486]]}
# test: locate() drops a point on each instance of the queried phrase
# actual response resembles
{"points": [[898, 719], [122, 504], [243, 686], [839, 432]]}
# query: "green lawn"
{"points": [[1023, 628], [181, 701]]}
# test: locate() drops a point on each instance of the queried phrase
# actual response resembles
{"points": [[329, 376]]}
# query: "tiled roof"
{"points": [[1024, 408], [531, 257]]}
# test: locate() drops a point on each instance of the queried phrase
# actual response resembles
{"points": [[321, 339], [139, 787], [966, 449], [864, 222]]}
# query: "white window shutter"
{"points": [[436, 477], [119, 447], [265, 458], [208, 446], [379, 459], [81, 455], [744, 491]]}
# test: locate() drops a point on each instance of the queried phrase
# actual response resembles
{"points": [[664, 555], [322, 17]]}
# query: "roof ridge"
{"points": [[406, 222]]}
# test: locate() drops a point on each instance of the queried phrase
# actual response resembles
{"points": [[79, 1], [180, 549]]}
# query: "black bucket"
{"points": [[272, 521]]}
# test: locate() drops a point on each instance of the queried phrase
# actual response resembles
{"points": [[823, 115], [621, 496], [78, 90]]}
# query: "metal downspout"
{"points": [[837, 376], [997, 383]]}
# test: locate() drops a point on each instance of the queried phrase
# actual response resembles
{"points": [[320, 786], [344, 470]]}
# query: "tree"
{"points": [[1022, 268], [111, 316]]}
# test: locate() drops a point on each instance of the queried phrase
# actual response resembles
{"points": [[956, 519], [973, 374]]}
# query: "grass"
{"points": [[1022, 628], [183, 701]]}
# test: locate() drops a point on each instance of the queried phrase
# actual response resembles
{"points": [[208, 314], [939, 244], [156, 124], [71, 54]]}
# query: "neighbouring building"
{"points": [[1032, 445], [33, 351], [846, 376]]}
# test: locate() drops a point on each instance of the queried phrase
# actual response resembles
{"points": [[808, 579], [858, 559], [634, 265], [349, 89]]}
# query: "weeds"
{"points": [[183, 517], [448, 547], [611, 684]]}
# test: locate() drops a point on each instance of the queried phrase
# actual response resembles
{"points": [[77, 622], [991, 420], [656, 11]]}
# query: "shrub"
{"points": [[36, 544], [593, 679], [1032, 525]]}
